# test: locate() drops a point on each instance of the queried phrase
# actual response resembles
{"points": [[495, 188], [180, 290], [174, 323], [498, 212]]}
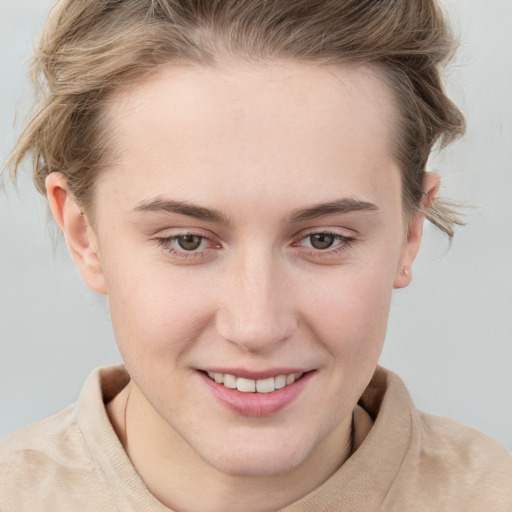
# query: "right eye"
{"points": [[187, 245], [189, 242]]}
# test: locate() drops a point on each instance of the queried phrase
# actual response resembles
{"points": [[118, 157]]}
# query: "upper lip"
{"points": [[255, 374]]}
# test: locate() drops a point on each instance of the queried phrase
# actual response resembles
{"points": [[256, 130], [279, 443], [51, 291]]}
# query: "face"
{"points": [[251, 230]]}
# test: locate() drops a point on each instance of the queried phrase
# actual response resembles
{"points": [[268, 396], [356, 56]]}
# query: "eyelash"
{"points": [[167, 244], [344, 242]]}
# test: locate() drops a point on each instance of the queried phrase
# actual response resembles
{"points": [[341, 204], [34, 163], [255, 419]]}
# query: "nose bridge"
{"points": [[256, 311]]}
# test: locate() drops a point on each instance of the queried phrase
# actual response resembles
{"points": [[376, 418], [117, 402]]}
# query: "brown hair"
{"points": [[91, 48]]}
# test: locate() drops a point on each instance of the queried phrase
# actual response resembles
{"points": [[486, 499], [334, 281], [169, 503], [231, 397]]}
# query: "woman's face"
{"points": [[252, 228]]}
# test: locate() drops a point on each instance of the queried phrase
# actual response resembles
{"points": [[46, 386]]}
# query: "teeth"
{"points": [[230, 381], [246, 385], [252, 386], [280, 382], [265, 385]]}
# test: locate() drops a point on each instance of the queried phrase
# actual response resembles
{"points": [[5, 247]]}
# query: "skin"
{"points": [[256, 143]]}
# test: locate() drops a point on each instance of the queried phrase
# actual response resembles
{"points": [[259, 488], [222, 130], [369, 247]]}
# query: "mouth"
{"points": [[257, 397], [246, 385]]}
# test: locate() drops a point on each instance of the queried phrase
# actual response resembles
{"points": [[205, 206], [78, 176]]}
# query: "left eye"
{"points": [[324, 241]]}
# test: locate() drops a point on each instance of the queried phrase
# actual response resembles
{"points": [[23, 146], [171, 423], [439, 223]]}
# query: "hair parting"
{"points": [[91, 49]]}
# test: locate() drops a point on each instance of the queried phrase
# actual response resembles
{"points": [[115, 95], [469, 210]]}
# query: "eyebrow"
{"points": [[340, 206], [182, 208]]}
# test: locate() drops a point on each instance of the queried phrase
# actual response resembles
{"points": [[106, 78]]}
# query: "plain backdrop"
{"points": [[450, 332]]}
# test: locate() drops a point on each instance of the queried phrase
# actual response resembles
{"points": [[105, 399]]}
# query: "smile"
{"points": [[254, 386], [267, 393]]}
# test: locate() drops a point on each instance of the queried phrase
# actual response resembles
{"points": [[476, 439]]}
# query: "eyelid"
{"points": [[167, 243], [344, 242], [322, 231]]}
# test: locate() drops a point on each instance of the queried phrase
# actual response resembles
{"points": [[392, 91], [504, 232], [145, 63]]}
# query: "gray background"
{"points": [[450, 332]]}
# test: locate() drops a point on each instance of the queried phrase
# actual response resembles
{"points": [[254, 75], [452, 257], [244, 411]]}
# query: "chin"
{"points": [[257, 461]]}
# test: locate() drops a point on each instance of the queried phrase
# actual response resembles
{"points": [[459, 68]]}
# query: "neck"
{"points": [[160, 455]]}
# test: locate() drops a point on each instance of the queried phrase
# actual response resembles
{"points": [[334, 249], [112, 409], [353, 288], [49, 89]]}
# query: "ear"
{"points": [[412, 242], [80, 237]]}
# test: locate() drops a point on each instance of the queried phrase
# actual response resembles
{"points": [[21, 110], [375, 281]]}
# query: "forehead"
{"points": [[265, 126]]}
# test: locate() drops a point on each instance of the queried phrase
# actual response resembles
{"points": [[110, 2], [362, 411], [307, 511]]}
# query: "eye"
{"points": [[188, 245], [189, 242], [322, 241]]}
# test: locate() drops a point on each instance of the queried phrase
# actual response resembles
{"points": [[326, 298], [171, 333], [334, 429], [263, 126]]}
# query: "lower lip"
{"points": [[257, 404]]}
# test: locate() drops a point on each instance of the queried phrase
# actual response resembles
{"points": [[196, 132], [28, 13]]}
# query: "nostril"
{"points": [[258, 333]]}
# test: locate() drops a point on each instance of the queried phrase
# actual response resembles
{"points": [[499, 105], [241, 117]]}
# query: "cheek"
{"points": [[155, 313], [350, 311]]}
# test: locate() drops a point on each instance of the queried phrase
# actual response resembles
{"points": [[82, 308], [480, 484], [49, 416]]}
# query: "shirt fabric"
{"points": [[409, 461]]}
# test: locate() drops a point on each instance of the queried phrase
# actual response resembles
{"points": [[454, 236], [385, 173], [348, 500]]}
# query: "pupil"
{"points": [[322, 241], [189, 242]]}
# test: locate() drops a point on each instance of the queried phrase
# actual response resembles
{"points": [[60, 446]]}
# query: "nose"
{"points": [[256, 310]]}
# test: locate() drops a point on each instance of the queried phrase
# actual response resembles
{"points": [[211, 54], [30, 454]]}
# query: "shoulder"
{"points": [[453, 467], [445, 433], [450, 446], [40, 436], [41, 463], [435, 463]]}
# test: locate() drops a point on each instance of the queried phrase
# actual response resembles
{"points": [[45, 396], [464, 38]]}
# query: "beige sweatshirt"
{"points": [[410, 461]]}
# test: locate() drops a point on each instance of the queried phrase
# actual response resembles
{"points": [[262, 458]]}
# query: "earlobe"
{"points": [[80, 236], [409, 251], [412, 242]]}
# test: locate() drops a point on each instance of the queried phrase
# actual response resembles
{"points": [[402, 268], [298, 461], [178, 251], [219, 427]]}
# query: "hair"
{"points": [[90, 49]]}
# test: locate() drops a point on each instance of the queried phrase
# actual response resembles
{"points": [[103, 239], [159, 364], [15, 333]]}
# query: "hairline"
{"points": [[226, 61]]}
